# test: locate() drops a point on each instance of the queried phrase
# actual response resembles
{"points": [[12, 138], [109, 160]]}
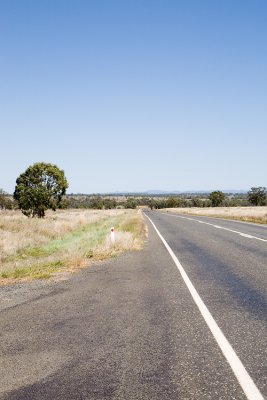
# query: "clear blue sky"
{"points": [[135, 94]]}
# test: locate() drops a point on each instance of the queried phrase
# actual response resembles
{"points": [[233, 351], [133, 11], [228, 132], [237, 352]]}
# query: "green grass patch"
{"points": [[40, 271], [93, 234], [33, 252]]}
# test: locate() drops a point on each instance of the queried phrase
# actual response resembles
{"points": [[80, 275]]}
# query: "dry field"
{"points": [[64, 240], [250, 214]]}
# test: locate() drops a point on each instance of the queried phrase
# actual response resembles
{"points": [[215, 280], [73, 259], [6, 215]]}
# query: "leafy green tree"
{"points": [[130, 203], [40, 188], [172, 202], [110, 204], [152, 204], [257, 196], [217, 197], [196, 202], [96, 203]]}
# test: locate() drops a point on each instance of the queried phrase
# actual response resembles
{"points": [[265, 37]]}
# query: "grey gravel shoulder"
{"points": [[18, 293], [21, 292]]}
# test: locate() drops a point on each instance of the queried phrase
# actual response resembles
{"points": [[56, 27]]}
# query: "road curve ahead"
{"points": [[130, 328]]}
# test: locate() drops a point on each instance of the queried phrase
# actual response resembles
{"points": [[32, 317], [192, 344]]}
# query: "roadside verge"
{"points": [[65, 241]]}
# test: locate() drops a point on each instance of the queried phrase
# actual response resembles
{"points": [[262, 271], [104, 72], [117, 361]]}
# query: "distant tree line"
{"points": [[256, 196], [99, 202], [43, 186], [214, 199]]}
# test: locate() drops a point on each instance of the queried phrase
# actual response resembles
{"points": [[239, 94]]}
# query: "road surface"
{"points": [[130, 328]]}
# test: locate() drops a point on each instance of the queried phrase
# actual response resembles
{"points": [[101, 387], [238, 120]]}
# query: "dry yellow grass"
{"points": [[18, 231], [250, 214], [38, 248]]}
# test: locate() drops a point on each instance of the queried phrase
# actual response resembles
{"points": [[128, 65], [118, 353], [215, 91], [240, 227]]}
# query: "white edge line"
{"points": [[218, 227], [244, 379]]}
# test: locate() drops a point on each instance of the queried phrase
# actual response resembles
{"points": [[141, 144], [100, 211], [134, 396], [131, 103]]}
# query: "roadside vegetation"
{"points": [[65, 240], [256, 196]]}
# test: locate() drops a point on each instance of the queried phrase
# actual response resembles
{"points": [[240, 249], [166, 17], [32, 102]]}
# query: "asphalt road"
{"points": [[129, 328]]}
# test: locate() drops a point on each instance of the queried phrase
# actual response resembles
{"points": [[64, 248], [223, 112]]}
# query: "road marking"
{"points": [[244, 379], [218, 227]]}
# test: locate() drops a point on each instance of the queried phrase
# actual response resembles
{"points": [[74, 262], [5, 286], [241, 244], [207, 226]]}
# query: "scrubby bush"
{"points": [[257, 196], [217, 197]]}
